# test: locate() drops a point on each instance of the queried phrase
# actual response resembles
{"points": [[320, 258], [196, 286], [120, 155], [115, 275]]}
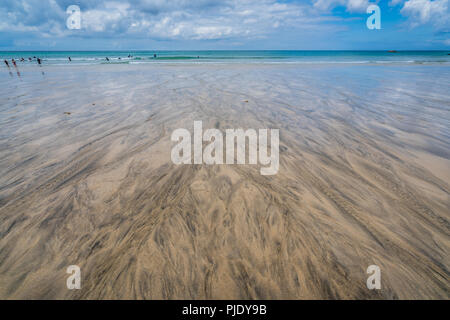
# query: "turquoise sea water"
{"points": [[135, 57]]}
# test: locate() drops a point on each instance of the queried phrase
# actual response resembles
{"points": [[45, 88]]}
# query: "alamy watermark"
{"points": [[374, 21], [74, 280], [374, 280], [213, 152], [74, 19]]}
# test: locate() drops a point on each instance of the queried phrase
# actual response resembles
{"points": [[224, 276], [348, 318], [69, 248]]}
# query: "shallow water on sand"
{"points": [[86, 179]]}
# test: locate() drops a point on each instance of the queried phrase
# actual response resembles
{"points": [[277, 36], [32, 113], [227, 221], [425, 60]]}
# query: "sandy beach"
{"points": [[86, 179]]}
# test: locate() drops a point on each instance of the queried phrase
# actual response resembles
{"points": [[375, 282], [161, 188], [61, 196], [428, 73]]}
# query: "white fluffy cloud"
{"points": [[231, 18], [425, 11]]}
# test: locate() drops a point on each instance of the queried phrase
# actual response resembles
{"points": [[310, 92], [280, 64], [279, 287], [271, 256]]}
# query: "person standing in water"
{"points": [[15, 66], [70, 59], [39, 60], [9, 69]]}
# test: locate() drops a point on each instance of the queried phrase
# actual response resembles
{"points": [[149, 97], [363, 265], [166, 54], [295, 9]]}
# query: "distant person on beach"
{"points": [[107, 59], [29, 59], [154, 55], [22, 59], [70, 59]]}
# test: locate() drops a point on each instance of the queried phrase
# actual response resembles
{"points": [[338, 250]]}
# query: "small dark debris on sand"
{"points": [[68, 113]]}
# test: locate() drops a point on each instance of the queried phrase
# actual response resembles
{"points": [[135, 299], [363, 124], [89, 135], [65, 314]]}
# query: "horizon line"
{"points": [[193, 50]]}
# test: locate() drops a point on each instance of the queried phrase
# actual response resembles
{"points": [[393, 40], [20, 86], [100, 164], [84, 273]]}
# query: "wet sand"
{"points": [[86, 178]]}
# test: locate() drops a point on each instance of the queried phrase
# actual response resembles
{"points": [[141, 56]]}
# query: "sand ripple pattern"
{"points": [[364, 179]]}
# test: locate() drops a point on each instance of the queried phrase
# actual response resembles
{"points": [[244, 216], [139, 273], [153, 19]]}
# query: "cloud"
{"points": [[30, 16], [158, 19], [427, 11], [208, 23]]}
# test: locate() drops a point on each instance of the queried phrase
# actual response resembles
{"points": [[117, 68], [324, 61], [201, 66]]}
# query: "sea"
{"points": [[229, 56]]}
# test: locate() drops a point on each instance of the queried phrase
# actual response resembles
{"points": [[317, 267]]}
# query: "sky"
{"points": [[224, 25]]}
